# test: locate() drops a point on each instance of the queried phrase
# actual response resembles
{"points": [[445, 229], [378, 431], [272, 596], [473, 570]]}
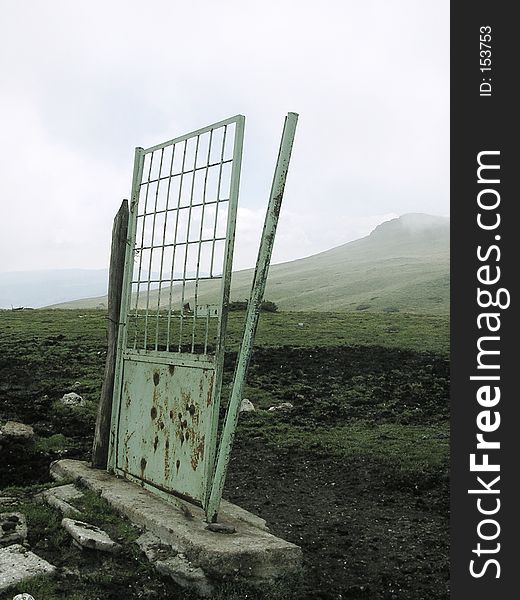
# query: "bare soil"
{"points": [[371, 525]]}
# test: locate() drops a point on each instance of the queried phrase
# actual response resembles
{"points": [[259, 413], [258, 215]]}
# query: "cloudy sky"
{"points": [[83, 83]]}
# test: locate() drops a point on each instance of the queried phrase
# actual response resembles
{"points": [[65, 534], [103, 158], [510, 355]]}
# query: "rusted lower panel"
{"points": [[164, 425]]}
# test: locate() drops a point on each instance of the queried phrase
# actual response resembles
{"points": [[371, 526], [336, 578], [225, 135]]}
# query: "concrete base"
{"points": [[251, 553]]}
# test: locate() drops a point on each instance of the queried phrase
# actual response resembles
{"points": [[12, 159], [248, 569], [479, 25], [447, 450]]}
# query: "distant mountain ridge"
{"points": [[403, 265], [41, 288]]}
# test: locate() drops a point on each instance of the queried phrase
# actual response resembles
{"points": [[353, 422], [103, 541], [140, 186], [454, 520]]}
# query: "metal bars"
{"points": [[182, 220], [170, 353], [171, 345], [252, 315]]}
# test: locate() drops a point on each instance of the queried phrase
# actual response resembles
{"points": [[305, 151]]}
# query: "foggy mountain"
{"points": [[402, 265]]}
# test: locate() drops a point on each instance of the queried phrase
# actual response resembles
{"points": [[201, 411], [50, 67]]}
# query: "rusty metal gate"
{"points": [[171, 344]]}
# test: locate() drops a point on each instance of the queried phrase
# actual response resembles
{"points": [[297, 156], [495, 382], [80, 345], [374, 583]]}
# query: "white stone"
{"points": [[13, 430], [18, 564], [13, 528], [59, 497], [185, 574], [153, 548], [246, 406], [281, 407], [89, 536], [72, 399]]}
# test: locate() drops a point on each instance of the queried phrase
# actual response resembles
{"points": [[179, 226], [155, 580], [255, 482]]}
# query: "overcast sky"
{"points": [[83, 83]]}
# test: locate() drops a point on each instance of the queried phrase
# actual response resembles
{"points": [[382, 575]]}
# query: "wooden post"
{"points": [[115, 285]]}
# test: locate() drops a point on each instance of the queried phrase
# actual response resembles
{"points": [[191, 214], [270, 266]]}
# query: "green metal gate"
{"points": [[171, 348]]}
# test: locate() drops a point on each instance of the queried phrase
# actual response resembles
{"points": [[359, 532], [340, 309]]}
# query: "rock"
{"points": [[89, 536], [13, 528], [246, 406], [18, 432], [168, 561], [284, 406], [59, 497], [153, 548], [186, 575], [72, 399], [23, 597], [18, 564]]}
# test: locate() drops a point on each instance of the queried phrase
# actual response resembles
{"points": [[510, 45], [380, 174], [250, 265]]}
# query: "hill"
{"points": [[403, 265]]}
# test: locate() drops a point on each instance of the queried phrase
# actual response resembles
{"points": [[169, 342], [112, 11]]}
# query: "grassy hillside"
{"points": [[403, 265]]}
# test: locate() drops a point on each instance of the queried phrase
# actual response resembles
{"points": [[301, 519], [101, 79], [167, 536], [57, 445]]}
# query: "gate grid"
{"points": [[170, 355], [182, 223]]}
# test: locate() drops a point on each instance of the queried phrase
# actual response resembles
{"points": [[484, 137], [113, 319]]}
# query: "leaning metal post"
{"points": [[252, 315]]}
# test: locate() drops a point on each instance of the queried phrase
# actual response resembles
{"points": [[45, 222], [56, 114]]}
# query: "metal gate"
{"points": [[171, 343]]}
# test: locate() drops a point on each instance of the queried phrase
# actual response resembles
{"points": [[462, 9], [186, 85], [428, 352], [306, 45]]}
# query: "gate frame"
{"points": [[217, 359]]}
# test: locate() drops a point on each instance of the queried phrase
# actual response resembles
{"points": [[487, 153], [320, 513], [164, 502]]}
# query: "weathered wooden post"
{"points": [[115, 283]]}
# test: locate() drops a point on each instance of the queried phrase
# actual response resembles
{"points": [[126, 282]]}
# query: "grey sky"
{"points": [[83, 83]]}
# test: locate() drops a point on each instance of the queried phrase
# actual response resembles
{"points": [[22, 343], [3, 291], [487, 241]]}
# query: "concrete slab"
{"points": [[251, 553], [90, 536], [60, 497], [18, 564]]}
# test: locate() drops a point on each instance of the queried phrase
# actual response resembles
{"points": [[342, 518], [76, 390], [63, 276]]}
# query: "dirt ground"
{"points": [[356, 473], [359, 538]]}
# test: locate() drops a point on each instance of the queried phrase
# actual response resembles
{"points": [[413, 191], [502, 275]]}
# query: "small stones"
{"points": [[284, 406], [89, 536], [18, 564], [72, 399], [246, 406], [13, 528], [16, 432]]}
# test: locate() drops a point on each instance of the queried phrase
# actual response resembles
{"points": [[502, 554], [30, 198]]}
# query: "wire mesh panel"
{"points": [[181, 229], [170, 355]]}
